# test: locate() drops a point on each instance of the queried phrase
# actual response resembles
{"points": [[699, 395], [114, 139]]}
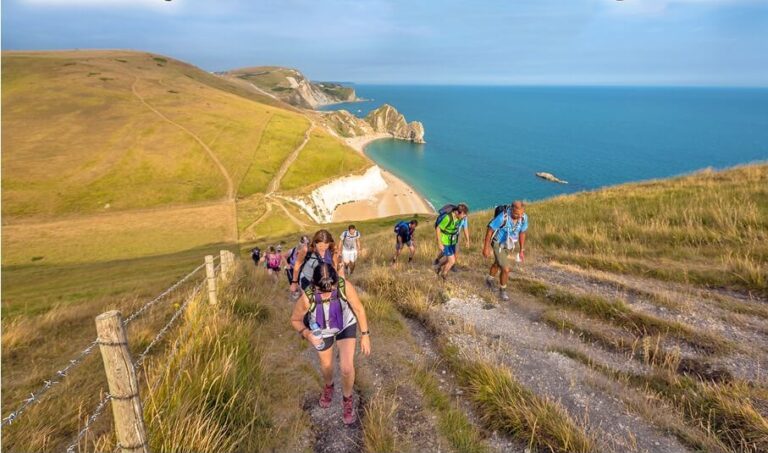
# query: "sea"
{"points": [[486, 143]]}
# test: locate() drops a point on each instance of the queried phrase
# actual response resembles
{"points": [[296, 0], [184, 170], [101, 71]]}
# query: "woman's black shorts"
{"points": [[349, 332]]}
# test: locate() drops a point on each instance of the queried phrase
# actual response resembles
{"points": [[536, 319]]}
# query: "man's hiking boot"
{"points": [[348, 416], [503, 295], [489, 281], [454, 269], [327, 396]]}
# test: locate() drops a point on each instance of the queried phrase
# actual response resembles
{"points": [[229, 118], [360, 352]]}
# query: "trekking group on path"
{"points": [[327, 309]]}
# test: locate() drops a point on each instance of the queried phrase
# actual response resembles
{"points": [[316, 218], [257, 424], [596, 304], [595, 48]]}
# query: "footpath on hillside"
{"points": [[576, 369]]}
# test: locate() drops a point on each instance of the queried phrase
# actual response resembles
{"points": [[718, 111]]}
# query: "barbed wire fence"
{"points": [[216, 272]]}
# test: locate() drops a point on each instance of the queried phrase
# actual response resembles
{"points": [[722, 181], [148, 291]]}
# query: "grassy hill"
{"points": [[110, 138], [629, 293], [637, 322]]}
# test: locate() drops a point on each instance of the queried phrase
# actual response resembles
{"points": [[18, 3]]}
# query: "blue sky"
{"points": [[564, 42]]}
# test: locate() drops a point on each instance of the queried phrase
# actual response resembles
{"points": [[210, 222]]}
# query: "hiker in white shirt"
{"points": [[350, 247]]}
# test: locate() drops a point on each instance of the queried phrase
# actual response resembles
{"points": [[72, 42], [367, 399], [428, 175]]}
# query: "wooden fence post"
{"points": [[225, 267], [210, 273], [123, 386]]}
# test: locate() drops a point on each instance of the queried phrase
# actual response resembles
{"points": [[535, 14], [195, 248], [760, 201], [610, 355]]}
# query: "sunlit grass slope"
{"points": [[77, 136], [321, 159], [707, 228]]}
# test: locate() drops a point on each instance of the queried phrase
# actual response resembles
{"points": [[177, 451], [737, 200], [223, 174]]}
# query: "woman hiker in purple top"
{"points": [[326, 313]]}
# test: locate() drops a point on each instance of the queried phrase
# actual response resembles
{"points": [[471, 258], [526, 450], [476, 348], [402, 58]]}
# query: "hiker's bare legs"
{"points": [[347, 364], [326, 365], [446, 263], [413, 252], [504, 276]]}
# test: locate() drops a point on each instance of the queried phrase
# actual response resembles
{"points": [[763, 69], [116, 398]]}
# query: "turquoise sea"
{"points": [[485, 144]]}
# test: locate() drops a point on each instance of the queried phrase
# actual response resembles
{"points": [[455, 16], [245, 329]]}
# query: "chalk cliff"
{"points": [[291, 86], [321, 203]]}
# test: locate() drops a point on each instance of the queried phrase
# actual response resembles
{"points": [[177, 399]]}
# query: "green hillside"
{"points": [[128, 154], [631, 293], [79, 134]]}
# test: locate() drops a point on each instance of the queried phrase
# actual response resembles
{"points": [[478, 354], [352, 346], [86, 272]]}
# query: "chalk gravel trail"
{"points": [[274, 184]]}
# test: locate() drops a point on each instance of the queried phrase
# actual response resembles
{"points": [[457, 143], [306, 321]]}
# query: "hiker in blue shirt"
{"points": [[504, 232], [404, 232]]}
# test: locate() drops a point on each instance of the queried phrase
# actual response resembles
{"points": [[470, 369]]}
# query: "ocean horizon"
{"points": [[494, 139]]}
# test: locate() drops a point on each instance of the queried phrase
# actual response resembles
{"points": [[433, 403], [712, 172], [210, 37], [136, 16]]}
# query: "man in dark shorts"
{"points": [[404, 232]]}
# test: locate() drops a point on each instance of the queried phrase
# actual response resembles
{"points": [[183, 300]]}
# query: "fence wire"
{"points": [[59, 375], [91, 419], [161, 333], [139, 361], [152, 302]]}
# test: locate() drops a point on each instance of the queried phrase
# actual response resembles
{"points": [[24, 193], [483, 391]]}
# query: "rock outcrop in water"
{"points": [[387, 119], [384, 120], [550, 177]]}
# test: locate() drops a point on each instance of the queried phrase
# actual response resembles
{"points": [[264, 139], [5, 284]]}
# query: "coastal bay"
{"points": [[398, 199], [495, 139]]}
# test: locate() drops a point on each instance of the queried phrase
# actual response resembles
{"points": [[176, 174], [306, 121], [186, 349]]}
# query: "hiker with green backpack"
{"points": [[328, 313], [505, 231], [447, 234]]}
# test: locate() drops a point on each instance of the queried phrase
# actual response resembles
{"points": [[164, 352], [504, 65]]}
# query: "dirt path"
{"points": [[231, 189], [211, 154], [511, 334], [274, 184], [293, 218], [691, 308], [265, 93]]}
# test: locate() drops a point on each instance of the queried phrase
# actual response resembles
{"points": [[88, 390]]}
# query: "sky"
{"points": [[492, 42]]}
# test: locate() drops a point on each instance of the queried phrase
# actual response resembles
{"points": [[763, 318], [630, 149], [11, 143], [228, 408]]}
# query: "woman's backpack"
{"points": [[273, 260]]}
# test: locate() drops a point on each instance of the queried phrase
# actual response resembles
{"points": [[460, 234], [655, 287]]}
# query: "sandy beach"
{"points": [[398, 199]]}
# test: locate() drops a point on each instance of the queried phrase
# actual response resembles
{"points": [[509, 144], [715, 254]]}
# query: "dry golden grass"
{"points": [[116, 236], [378, 435], [709, 228]]}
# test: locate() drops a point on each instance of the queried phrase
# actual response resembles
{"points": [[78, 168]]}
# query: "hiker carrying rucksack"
{"points": [[505, 230], [256, 255], [327, 313], [462, 227], [447, 236], [290, 259], [350, 247], [273, 261], [322, 249], [404, 232]]}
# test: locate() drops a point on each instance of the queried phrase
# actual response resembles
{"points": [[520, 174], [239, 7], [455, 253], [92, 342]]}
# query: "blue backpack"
{"points": [[444, 211], [402, 228]]}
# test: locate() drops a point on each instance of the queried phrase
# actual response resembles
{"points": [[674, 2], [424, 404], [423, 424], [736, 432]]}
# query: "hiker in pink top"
{"points": [[273, 261]]}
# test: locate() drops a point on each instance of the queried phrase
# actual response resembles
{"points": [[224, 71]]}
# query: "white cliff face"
{"points": [[323, 201]]}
